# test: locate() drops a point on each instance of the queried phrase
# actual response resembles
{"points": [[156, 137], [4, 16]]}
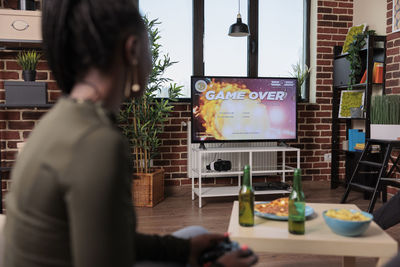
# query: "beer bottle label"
{"points": [[298, 213]]}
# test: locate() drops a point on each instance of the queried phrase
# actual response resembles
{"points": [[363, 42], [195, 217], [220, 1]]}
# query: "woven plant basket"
{"points": [[148, 188]]}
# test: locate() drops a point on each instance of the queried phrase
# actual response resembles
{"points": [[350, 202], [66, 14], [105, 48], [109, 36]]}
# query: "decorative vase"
{"points": [[29, 75]]}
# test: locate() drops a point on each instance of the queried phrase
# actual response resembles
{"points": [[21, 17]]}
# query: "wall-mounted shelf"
{"points": [[20, 26], [363, 50], [26, 106]]}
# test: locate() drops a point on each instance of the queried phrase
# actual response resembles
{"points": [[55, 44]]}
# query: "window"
{"points": [[279, 37], [176, 37], [280, 42], [281, 47], [223, 55]]}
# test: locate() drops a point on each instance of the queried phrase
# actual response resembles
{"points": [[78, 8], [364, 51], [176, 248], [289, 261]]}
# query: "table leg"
{"points": [[191, 166], [349, 261], [200, 190], [251, 167], [382, 261], [192, 187], [283, 166], [199, 168], [298, 159]]}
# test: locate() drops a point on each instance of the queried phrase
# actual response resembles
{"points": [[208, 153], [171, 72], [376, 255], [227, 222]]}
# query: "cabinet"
{"points": [[20, 26], [251, 152], [374, 51]]}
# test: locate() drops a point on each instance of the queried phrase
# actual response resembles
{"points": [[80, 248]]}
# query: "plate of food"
{"points": [[277, 209]]}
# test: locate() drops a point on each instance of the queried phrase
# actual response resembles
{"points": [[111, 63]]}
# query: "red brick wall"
{"points": [[314, 129], [392, 63], [392, 54], [334, 19], [16, 124]]}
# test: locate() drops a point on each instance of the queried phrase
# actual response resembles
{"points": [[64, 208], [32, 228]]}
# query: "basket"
{"points": [[148, 188]]}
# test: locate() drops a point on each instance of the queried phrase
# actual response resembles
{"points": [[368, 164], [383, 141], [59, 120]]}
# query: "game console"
{"points": [[220, 249]]}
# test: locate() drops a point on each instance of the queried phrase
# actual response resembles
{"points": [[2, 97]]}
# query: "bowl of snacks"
{"points": [[347, 222]]}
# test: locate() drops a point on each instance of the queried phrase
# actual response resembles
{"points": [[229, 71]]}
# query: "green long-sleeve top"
{"points": [[70, 201]]}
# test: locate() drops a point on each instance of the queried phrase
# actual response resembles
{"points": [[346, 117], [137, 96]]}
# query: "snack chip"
{"points": [[346, 215]]}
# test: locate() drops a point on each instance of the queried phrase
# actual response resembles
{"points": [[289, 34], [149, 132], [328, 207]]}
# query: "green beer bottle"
{"points": [[297, 206], [246, 200]]}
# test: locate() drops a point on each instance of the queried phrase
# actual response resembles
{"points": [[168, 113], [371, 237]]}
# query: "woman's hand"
{"points": [[200, 243], [238, 258]]}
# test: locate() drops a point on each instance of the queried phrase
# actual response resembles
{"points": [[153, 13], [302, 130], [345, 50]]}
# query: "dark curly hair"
{"points": [[81, 34]]}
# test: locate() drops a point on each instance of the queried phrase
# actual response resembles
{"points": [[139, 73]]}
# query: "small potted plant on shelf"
{"points": [[385, 117], [301, 72], [142, 120], [28, 61]]}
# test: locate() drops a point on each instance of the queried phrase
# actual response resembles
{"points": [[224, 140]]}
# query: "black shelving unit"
{"points": [[374, 51], [7, 169]]}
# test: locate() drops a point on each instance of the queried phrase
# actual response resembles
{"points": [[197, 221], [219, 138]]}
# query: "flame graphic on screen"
{"points": [[213, 112]]}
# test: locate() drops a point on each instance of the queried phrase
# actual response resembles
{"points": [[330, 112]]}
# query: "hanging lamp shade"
{"points": [[239, 29]]}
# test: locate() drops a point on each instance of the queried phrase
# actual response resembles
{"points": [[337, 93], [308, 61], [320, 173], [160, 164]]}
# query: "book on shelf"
{"points": [[356, 136], [377, 73], [364, 77]]}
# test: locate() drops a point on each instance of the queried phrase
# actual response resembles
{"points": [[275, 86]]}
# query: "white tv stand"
{"points": [[208, 191]]}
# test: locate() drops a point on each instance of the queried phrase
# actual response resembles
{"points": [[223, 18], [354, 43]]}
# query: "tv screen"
{"points": [[243, 109]]}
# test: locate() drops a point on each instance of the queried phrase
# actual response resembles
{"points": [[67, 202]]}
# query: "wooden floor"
{"points": [[178, 210]]}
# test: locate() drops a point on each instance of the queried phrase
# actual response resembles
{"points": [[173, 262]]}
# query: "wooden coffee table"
{"points": [[273, 236]]}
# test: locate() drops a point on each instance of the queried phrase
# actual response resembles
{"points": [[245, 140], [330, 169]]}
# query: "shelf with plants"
{"points": [[358, 86], [343, 120], [361, 51], [364, 52]]}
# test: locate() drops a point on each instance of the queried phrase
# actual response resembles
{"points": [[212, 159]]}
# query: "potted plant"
{"points": [[28, 61], [27, 92], [385, 117], [142, 120], [354, 57], [301, 72]]}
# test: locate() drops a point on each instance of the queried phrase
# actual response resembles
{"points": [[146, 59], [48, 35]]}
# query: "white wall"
{"points": [[313, 51], [372, 12]]}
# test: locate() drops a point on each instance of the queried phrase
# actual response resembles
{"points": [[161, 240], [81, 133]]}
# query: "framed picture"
{"points": [[353, 31], [396, 16], [350, 99]]}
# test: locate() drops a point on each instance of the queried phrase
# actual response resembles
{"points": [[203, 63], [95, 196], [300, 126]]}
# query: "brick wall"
{"points": [[392, 63], [16, 124], [314, 129], [392, 54], [334, 19]]}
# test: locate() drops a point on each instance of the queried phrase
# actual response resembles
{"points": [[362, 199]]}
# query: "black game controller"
{"points": [[220, 249]]}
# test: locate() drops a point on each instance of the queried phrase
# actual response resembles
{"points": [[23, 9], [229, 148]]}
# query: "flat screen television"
{"points": [[234, 109]]}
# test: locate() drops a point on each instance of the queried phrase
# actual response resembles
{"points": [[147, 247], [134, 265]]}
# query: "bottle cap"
{"points": [[297, 171], [246, 167]]}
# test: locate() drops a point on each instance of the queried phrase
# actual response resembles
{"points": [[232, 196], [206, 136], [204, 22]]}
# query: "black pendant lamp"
{"points": [[239, 29]]}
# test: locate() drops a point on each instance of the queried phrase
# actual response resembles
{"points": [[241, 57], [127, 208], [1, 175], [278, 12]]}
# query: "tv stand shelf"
{"points": [[221, 191]]}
